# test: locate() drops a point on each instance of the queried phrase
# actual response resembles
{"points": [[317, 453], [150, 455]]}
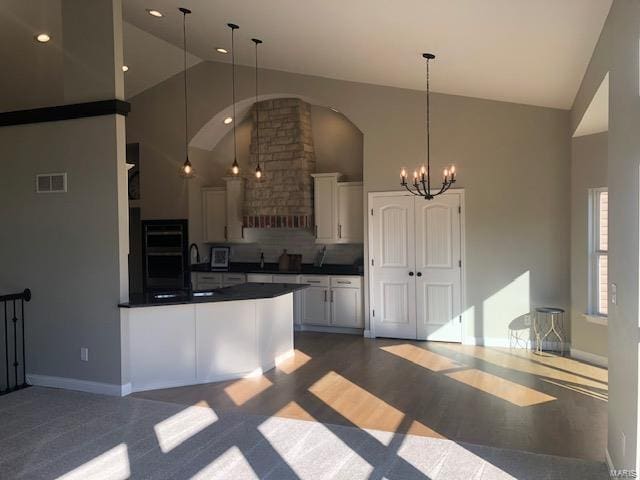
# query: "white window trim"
{"points": [[592, 314]]}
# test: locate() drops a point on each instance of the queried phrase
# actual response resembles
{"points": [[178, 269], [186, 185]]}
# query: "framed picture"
{"points": [[219, 258]]}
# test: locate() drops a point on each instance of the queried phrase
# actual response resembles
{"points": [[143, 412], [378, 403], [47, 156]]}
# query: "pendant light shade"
{"points": [[257, 42], [186, 170], [235, 168], [421, 186]]}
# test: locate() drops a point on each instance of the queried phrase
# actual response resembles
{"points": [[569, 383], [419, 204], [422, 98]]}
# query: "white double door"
{"points": [[415, 262]]}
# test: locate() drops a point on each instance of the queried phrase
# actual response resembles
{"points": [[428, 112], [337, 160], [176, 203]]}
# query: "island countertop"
{"points": [[245, 291]]}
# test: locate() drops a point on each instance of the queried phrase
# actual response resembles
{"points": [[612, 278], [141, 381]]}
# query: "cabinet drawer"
{"points": [[209, 277], [234, 278], [316, 280], [259, 278], [353, 282], [286, 279]]}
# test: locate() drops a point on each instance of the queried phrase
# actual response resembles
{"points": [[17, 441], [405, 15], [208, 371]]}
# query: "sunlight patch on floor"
{"points": [[551, 366], [424, 358], [578, 389], [499, 387], [219, 468], [293, 362], [243, 390], [178, 428], [111, 465], [295, 411], [420, 429]]}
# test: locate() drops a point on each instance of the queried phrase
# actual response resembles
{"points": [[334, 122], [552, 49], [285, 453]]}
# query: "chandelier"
{"points": [[421, 186]]}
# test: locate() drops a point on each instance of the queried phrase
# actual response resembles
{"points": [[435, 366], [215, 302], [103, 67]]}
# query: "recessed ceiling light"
{"points": [[43, 37], [125, 68], [227, 120], [222, 50], [154, 13]]}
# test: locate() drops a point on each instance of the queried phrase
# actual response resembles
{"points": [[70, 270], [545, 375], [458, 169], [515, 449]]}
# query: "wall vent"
{"points": [[51, 183]]}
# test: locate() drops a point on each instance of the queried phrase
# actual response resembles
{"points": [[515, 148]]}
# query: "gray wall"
{"points": [[588, 170], [514, 162], [66, 247], [617, 52]]}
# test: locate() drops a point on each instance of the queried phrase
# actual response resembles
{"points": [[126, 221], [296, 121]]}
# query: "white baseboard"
{"points": [[368, 334], [590, 357], [505, 343], [323, 329], [79, 385]]}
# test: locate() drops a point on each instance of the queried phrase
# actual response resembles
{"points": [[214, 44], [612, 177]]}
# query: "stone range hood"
{"points": [[283, 197]]}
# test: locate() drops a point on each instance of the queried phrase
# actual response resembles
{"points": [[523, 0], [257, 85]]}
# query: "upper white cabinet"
{"points": [[350, 222], [337, 209], [222, 210], [214, 208]]}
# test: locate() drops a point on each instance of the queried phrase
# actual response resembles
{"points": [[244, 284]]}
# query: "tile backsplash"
{"points": [[296, 241]]}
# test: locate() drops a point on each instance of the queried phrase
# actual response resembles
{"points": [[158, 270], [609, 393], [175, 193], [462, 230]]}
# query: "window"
{"points": [[599, 252]]}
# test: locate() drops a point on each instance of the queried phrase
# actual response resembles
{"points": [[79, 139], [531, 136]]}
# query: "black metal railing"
{"points": [[15, 373]]}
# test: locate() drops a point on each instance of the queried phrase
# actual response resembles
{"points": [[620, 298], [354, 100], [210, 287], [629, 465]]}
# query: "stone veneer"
{"points": [[283, 197]]}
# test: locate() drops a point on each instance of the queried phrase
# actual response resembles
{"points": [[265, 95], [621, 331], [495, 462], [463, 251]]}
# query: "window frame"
{"points": [[594, 254]]}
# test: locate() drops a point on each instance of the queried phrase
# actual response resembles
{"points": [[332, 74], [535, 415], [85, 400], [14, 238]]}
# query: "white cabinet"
{"points": [[229, 279], [259, 278], [337, 209], [235, 203], [350, 218], [222, 212], [206, 280], [332, 301], [214, 209], [325, 206]]}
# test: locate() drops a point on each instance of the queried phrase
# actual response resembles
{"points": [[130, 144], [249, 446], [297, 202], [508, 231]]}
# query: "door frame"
{"points": [[460, 192]]}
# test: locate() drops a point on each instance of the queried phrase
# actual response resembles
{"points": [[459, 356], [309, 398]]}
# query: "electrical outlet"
{"points": [[527, 320], [84, 354]]}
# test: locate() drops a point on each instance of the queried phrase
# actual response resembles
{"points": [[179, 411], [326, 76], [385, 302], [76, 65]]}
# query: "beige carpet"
{"points": [[49, 433]]}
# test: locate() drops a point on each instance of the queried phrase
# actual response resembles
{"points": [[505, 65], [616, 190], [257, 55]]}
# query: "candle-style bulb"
{"points": [[446, 173], [423, 170], [453, 169], [403, 173]]}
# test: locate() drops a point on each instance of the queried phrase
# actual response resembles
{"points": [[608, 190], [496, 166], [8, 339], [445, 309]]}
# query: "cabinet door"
{"points": [[214, 208], [325, 209], [315, 309], [235, 202], [350, 219], [346, 307]]}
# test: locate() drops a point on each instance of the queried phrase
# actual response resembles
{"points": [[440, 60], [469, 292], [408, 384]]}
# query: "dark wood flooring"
{"points": [[488, 396]]}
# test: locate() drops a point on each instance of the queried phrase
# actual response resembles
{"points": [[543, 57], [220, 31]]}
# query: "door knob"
{"points": [[411, 274], [419, 274]]}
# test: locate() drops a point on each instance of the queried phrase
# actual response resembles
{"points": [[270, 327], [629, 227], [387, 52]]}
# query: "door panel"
{"points": [[346, 307], [393, 254], [315, 310], [438, 273]]}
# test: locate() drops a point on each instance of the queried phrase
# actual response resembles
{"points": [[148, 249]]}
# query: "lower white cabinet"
{"points": [[332, 301], [213, 280], [315, 310]]}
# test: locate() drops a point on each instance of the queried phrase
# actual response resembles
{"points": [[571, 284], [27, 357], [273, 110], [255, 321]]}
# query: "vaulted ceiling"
{"points": [[531, 52], [524, 51]]}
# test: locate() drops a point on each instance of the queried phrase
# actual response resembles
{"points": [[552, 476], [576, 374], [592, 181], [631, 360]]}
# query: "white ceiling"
{"points": [[524, 51]]}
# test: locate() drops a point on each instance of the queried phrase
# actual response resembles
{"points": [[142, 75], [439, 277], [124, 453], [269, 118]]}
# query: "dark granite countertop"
{"points": [[245, 291], [272, 268]]}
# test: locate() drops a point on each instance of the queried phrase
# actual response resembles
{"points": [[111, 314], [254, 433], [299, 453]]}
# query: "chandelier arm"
{"points": [[411, 191]]}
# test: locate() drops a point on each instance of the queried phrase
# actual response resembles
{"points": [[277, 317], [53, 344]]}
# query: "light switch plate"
{"points": [[614, 294], [84, 354]]}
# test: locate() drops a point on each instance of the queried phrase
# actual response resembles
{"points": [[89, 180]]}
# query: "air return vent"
{"points": [[51, 183]]}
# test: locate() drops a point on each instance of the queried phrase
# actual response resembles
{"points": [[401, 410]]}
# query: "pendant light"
{"points": [[186, 170], [424, 178], [235, 168], [257, 42]]}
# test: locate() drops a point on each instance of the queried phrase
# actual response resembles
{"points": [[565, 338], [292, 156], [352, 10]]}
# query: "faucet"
{"points": [[197, 252], [320, 256]]}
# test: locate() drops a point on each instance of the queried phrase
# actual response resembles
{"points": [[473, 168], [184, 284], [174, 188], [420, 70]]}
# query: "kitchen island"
{"points": [[174, 339]]}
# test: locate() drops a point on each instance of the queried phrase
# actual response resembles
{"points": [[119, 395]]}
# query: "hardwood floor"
{"points": [[488, 396]]}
